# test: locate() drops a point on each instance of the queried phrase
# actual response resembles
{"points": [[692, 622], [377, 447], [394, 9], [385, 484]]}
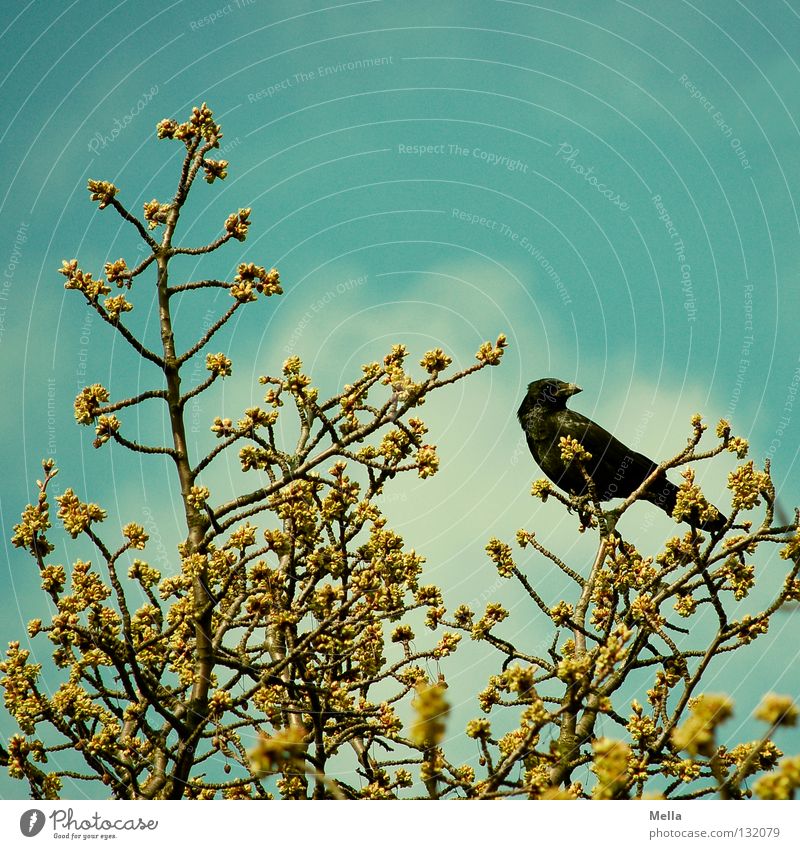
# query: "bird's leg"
{"points": [[594, 516], [594, 497], [581, 504], [610, 518]]}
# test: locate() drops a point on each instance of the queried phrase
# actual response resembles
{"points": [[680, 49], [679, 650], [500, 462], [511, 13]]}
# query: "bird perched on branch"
{"points": [[616, 470]]}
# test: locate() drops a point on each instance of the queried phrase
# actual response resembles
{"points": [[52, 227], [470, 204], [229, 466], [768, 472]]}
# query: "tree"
{"points": [[620, 628], [275, 636], [281, 654]]}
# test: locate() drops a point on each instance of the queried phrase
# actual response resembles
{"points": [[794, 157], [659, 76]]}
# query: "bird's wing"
{"points": [[616, 469], [594, 438]]}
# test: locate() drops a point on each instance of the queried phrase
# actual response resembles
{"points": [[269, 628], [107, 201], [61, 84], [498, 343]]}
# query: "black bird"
{"points": [[615, 469]]}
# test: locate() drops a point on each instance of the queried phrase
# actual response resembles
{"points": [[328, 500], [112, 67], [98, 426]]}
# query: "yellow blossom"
{"points": [[431, 709], [778, 710], [102, 191], [571, 449], [238, 223]]}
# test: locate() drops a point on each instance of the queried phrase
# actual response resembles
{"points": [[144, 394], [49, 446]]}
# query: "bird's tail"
{"points": [[664, 495]]}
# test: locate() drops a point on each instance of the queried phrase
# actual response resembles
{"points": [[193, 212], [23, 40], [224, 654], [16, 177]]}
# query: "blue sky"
{"points": [[611, 184]]}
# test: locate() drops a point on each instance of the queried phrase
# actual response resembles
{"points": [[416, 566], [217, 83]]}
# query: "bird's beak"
{"points": [[572, 389]]}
